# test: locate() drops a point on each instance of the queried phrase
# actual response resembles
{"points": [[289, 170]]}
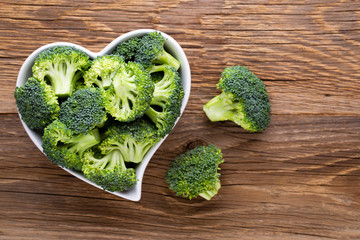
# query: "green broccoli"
{"points": [[244, 100], [84, 110], [127, 49], [37, 104], [133, 139], [65, 148], [195, 173], [130, 93], [102, 71], [151, 51], [166, 103], [108, 170], [61, 67]]}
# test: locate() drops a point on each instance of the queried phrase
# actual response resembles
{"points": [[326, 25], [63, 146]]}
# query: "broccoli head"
{"points": [[151, 51], [130, 93], [65, 148], [195, 173], [244, 100], [166, 104], [108, 170], [102, 71], [61, 67], [127, 49], [133, 139], [37, 104], [84, 110]]}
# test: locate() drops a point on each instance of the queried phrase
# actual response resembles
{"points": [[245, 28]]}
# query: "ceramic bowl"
{"points": [[171, 46]]}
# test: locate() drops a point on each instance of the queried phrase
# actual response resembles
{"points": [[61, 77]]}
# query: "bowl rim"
{"points": [[171, 45]]}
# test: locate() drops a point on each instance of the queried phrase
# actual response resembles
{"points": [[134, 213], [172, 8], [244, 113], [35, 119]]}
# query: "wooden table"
{"points": [[297, 180]]}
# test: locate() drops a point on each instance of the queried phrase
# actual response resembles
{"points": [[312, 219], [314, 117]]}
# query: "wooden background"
{"points": [[297, 180]]}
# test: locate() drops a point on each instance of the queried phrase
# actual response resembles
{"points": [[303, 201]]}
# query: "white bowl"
{"points": [[171, 46]]}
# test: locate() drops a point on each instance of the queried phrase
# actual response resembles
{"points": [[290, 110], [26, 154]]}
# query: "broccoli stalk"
{"points": [[108, 171], [61, 67], [133, 140], [195, 173], [130, 93], [65, 148], [223, 107], [102, 71], [151, 51], [165, 106], [244, 100]]}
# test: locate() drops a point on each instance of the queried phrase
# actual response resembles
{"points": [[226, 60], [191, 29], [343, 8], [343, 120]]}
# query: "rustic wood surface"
{"points": [[297, 180]]}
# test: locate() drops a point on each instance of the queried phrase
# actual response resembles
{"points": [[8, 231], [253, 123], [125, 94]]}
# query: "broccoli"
{"points": [[108, 170], [130, 93], [168, 94], [61, 67], [127, 49], [84, 110], [151, 51], [133, 139], [195, 173], [102, 71], [37, 104], [244, 100], [65, 148]]}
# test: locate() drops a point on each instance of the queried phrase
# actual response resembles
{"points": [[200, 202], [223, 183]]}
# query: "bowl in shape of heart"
{"points": [[171, 46]]}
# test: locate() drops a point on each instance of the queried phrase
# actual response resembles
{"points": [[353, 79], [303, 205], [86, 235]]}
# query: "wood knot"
{"points": [[194, 143]]}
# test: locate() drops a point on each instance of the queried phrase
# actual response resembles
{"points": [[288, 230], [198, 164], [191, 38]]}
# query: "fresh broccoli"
{"points": [[108, 170], [130, 93], [151, 51], [102, 71], [168, 94], [61, 67], [65, 148], [195, 173], [37, 104], [127, 49], [244, 100], [84, 110], [133, 139]]}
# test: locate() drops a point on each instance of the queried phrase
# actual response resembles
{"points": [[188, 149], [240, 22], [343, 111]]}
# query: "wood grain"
{"points": [[297, 180]]}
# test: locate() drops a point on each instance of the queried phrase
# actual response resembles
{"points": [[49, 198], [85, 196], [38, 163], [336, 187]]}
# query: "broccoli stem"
{"points": [[222, 108], [63, 77], [82, 142], [209, 194], [166, 58]]}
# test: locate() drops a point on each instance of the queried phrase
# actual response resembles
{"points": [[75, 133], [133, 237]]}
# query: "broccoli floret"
{"points": [[151, 51], [37, 104], [61, 67], [195, 173], [65, 148], [127, 49], [133, 139], [166, 104], [84, 110], [102, 71], [130, 93], [108, 170], [244, 100]]}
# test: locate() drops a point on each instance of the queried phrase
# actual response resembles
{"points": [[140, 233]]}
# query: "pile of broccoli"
{"points": [[101, 116]]}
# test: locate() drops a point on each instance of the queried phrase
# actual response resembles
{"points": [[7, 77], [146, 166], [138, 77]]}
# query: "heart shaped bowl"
{"points": [[171, 46]]}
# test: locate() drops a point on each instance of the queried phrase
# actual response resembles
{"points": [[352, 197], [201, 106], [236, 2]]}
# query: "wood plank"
{"points": [[312, 43], [295, 180]]}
